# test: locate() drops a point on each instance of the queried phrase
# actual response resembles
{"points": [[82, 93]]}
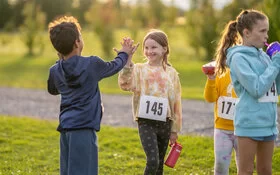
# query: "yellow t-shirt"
{"points": [[212, 91], [143, 79]]}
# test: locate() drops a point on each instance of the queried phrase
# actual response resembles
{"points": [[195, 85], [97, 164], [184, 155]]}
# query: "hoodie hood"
{"points": [[250, 51], [72, 70]]}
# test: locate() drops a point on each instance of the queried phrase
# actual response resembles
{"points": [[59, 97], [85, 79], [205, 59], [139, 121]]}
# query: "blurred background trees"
{"points": [[270, 8], [33, 26], [103, 18], [201, 23]]}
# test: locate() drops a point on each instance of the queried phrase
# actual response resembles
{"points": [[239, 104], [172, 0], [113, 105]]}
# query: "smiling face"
{"points": [[154, 52], [258, 36]]}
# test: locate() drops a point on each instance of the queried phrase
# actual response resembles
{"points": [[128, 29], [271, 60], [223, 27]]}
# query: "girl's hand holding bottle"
{"points": [[209, 70], [173, 137]]}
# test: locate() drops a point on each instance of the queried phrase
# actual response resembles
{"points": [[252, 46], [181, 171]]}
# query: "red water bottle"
{"points": [[173, 155], [209, 68]]}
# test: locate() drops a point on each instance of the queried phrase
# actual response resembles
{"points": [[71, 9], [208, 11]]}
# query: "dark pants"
{"points": [[154, 137], [78, 152]]}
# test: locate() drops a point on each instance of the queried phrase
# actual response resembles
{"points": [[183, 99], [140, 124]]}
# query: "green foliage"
{"points": [[230, 11], [6, 12], [271, 9], [103, 18], [138, 19], [16, 18], [139, 15], [56, 8], [79, 8], [155, 13], [170, 14], [33, 25], [201, 26], [33, 73], [203, 21]]}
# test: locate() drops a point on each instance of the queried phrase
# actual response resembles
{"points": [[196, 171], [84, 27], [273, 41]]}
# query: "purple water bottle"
{"points": [[272, 48]]}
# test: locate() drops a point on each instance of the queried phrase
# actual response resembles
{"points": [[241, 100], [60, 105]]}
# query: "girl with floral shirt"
{"points": [[157, 107]]}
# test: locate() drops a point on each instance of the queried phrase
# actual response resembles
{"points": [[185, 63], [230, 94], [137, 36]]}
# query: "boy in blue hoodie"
{"points": [[76, 79], [256, 81]]}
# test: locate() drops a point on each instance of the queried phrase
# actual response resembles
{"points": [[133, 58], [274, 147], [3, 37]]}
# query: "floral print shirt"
{"points": [[143, 79]]}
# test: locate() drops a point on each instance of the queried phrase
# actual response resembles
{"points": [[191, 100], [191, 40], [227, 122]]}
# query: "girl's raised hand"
{"points": [[127, 46]]}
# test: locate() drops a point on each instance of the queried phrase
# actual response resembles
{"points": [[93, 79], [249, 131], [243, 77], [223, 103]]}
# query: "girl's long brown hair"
{"points": [[161, 38], [233, 34]]}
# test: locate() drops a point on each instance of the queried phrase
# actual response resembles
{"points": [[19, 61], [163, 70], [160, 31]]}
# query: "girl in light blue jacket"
{"points": [[256, 81]]}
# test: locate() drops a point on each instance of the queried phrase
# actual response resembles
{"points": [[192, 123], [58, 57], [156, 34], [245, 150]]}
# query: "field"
{"points": [[19, 70], [31, 146]]}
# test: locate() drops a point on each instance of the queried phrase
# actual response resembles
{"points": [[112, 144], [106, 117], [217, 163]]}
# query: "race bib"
{"points": [[270, 96], [154, 108], [226, 107]]}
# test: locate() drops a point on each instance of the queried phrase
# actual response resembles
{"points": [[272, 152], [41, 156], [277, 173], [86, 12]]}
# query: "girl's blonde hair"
{"points": [[161, 38], [233, 33]]}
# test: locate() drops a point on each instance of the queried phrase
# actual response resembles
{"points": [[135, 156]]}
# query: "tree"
{"points": [[16, 18], [230, 11], [79, 7], [201, 28], [170, 14], [103, 18], [34, 22], [138, 18], [55, 8], [155, 13], [271, 8], [5, 12]]}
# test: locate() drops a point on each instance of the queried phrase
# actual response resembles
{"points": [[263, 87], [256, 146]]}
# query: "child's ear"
{"points": [[76, 44], [246, 33], [165, 49]]}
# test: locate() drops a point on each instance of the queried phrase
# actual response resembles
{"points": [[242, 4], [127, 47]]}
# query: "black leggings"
{"points": [[154, 137]]}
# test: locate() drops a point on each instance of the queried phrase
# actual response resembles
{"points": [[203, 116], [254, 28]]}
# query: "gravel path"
{"points": [[197, 115]]}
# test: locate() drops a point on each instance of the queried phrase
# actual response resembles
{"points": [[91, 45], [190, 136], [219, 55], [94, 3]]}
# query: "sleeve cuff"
{"points": [[123, 53]]}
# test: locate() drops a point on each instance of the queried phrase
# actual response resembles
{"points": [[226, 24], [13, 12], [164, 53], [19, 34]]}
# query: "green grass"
{"points": [[31, 146], [18, 70]]}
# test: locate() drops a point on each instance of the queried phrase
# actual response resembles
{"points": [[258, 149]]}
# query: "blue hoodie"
{"points": [[253, 73], [76, 80]]}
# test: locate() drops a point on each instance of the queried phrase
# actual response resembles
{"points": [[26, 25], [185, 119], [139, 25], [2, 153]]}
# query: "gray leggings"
{"points": [[154, 137]]}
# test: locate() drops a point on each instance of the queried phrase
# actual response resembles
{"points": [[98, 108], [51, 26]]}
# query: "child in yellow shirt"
{"points": [[219, 90]]}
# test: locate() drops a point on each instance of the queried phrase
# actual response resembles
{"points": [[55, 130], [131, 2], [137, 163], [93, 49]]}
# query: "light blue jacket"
{"points": [[252, 74]]}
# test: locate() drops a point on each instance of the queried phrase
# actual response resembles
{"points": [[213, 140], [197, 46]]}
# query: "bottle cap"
{"points": [[273, 47]]}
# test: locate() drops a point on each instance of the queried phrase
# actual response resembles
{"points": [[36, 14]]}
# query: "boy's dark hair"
{"points": [[64, 31]]}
